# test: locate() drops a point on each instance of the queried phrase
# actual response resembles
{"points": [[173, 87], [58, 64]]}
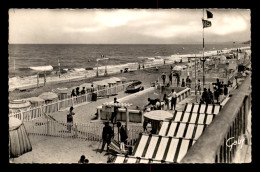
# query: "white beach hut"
{"points": [[63, 93], [49, 97]]}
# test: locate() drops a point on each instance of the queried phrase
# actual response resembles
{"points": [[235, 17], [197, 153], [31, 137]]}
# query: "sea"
{"points": [[80, 60]]}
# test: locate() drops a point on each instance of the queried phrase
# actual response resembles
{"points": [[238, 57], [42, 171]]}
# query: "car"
{"points": [[134, 87]]}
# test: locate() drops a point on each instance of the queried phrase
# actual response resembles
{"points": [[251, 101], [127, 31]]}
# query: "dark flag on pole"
{"points": [[209, 14], [206, 23]]}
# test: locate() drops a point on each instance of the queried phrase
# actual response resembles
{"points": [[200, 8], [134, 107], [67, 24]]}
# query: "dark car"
{"points": [[135, 86]]}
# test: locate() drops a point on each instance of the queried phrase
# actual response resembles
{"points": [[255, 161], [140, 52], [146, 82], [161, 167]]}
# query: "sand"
{"points": [[47, 149]]}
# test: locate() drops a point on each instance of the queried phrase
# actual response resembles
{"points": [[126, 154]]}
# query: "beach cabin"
{"points": [[63, 93], [123, 79], [88, 87], [111, 82], [101, 84], [49, 97], [118, 80], [19, 105], [35, 101]]}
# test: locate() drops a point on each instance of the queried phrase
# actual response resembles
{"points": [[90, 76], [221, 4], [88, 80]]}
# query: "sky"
{"points": [[126, 26]]}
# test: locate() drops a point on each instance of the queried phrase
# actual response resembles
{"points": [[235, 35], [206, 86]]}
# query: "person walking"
{"points": [[170, 78], [216, 94], [73, 93], [166, 100], [77, 91], [113, 116], [123, 138], [188, 82], [145, 123], [163, 78], [225, 90], [199, 86], [205, 96], [182, 83], [210, 97], [178, 79], [83, 91], [107, 135], [173, 96], [70, 119]]}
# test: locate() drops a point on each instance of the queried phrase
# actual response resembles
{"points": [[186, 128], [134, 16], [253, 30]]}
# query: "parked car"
{"points": [[135, 86]]}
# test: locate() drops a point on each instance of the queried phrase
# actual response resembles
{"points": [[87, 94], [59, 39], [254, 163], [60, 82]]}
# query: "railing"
{"points": [[88, 131], [65, 103], [230, 124]]}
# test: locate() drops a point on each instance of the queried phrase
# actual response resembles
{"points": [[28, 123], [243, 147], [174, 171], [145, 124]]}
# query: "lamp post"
{"points": [[97, 67]]}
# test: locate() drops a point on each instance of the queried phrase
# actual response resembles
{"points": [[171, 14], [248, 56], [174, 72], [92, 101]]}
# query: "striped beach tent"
{"points": [[19, 142]]}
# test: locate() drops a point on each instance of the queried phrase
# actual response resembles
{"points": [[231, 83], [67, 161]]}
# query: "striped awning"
{"points": [[181, 130], [203, 108], [158, 149], [174, 138], [192, 117]]}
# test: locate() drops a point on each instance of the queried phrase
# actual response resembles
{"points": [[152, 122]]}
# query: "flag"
{"points": [[206, 23], [209, 14]]}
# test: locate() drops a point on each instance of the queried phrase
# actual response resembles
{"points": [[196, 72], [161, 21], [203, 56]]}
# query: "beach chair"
{"points": [[115, 146]]}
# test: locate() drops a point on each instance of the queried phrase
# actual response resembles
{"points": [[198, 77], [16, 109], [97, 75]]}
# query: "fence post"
{"points": [[72, 100], [142, 117], [58, 105]]}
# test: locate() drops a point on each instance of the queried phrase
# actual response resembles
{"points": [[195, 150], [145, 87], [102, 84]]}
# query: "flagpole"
{"points": [[203, 59]]}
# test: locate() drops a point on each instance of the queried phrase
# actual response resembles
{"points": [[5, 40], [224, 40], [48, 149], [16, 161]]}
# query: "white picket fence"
{"points": [[88, 131], [65, 103]]}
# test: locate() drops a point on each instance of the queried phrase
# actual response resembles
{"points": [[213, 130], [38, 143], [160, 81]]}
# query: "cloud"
{"points": [[123, 25]]}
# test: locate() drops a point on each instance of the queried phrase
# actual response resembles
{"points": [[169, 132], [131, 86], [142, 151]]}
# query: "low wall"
{"points": [[136, 115]]}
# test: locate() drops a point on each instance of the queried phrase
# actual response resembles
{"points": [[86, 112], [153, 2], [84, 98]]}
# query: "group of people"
{"points": [[219, 89], [177, 76], [83, 160], [76, 92], [108, 134]]}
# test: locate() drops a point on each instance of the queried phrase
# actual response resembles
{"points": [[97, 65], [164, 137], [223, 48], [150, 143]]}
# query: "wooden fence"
{"points": [[65, 103]]}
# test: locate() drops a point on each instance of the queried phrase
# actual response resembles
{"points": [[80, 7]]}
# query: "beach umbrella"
{"points": [[159, 115], [35, 101], [61, 90], [86, 85], [19, 142], [122, 78], [116, 79], [110, 81], [177, 68], [100, 83], [48, 96], [18, 105]]}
